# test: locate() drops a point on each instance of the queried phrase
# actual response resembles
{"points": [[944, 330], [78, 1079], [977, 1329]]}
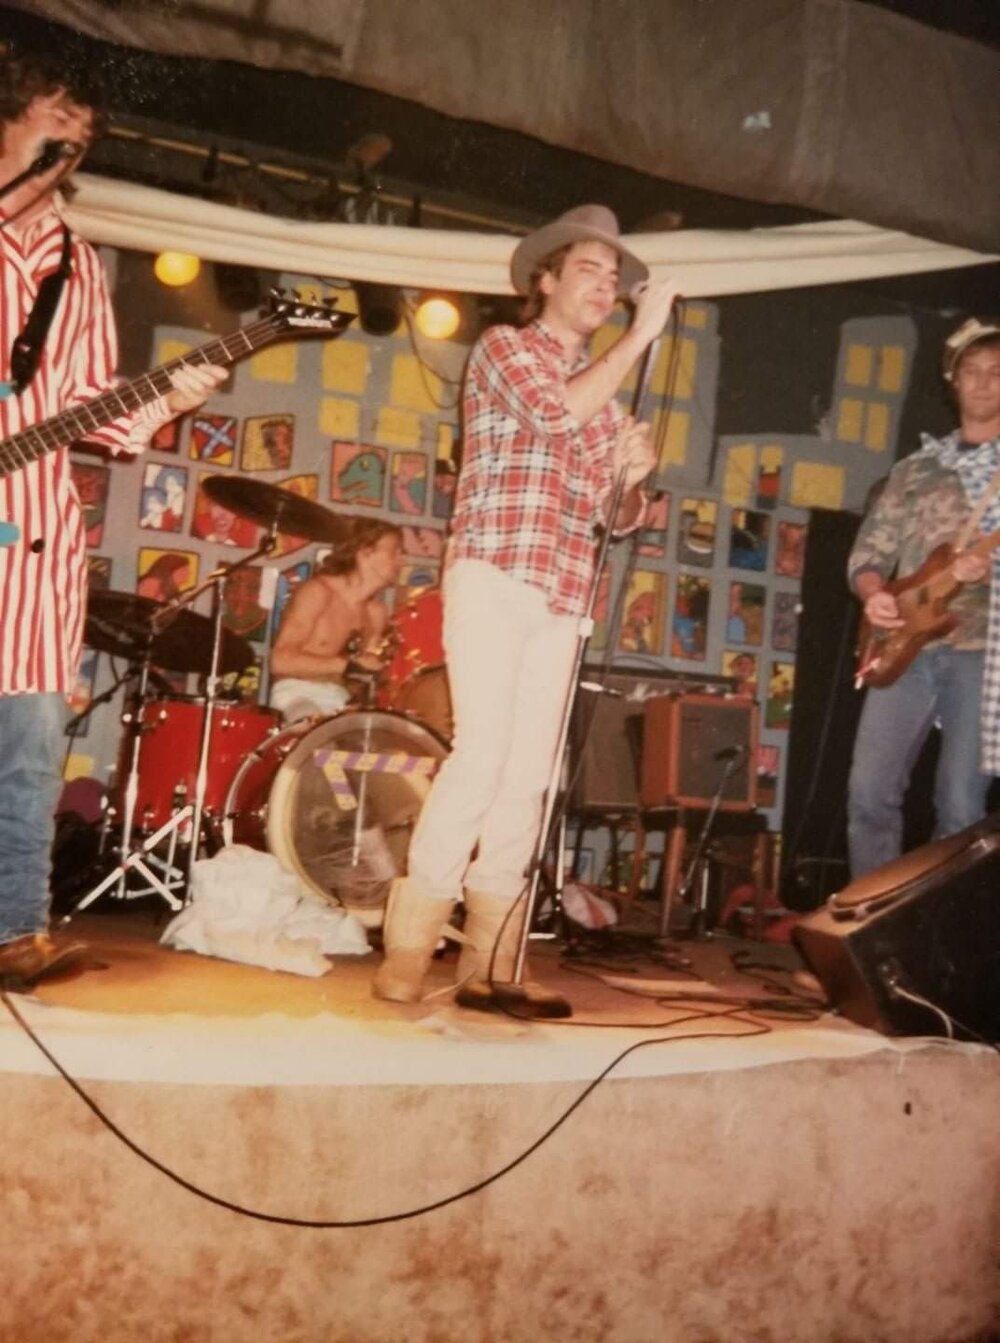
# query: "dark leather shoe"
{"points": [[26, 960]]}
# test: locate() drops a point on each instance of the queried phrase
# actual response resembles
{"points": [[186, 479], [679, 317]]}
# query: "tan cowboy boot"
{"points": [[414, 924], [488, 957]]}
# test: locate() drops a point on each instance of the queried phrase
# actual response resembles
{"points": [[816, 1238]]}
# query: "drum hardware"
{"points": [[335, 800], [174, 636]]}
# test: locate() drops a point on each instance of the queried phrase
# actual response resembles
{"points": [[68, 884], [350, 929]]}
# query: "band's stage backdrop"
{"points": [[365, 425]]}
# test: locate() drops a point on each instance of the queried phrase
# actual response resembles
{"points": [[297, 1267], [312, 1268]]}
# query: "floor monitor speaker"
{"points": [[913, 948]]}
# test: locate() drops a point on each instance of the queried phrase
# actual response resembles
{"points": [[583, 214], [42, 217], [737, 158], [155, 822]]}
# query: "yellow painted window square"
{"points": [[172, 349], [675, 374], [816, 485], [877, 426], [673, 450], [445, 442], [397, 428], [345, 366], [891, 368], [696, 316], [850, 419], [277, 364], [737, 482], [858, 365], [339, 418], [414, 386]]}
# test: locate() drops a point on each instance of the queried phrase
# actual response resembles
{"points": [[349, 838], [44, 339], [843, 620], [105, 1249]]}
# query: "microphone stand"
{"points": [[511, 996]]}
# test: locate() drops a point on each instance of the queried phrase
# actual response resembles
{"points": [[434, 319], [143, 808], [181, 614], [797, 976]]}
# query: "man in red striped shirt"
{"points": [[544, 441], [46, 105]]}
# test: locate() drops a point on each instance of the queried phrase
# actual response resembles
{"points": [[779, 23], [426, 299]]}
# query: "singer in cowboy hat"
{"points": [[544, 441]]}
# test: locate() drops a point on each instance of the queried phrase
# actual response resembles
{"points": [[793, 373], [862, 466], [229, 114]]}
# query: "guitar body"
{"points": [[922, 598]]}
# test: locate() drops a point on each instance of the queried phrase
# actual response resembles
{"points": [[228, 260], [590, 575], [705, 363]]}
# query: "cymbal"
{"points": [[271, 506], [120, 623]]}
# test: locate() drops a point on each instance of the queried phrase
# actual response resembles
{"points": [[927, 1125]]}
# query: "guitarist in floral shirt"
{"points": [[927, 500]]}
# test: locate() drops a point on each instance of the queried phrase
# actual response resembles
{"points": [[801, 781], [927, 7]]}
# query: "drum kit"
{"points": [[334, 799]]}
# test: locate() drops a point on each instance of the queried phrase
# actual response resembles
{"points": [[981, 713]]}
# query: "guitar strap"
{"points": [[26, 353], [974, 518]]}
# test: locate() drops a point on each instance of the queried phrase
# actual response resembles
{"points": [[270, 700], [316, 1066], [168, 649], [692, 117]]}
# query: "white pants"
{"points": [[509, 664], [295, 698]]}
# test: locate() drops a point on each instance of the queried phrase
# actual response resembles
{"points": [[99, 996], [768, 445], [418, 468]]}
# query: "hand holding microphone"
{"points": [[652, 301]]}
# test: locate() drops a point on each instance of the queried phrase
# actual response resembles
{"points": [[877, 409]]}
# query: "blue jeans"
{"points": [[944, 685], [32, 743]]}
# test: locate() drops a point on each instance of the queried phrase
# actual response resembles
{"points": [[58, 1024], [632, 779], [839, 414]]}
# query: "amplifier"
{"points": [[692, 744]]}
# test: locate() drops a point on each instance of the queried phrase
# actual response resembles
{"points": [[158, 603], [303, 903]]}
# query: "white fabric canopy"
{"points": [[705, 262]]}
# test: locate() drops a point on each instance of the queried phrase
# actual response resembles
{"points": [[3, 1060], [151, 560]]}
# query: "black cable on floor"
{"points": [[357, 1222]]}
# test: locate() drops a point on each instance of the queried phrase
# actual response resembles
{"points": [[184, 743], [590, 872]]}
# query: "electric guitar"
{"points": [[283, 316], [923, 598]]}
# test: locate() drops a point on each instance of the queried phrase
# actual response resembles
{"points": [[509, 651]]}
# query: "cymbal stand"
{"points": [[185, 824]]}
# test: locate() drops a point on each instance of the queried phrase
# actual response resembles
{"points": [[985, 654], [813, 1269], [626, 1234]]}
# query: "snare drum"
{"points": [[335, 800], [169, 741], [416, 680]]}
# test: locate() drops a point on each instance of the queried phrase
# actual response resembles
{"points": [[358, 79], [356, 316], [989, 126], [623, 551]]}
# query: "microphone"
{"points": [[52, 151], [596, 688]]}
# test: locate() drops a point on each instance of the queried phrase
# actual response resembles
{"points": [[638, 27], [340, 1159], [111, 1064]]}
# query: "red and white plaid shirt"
{"points": [[43, 574], [534, 481]]}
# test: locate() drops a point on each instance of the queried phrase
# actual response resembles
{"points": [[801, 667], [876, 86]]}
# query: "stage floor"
{"points": [[356, 1171]]}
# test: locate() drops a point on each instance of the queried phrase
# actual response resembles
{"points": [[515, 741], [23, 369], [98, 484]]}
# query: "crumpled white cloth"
{"points": [[584, 906], [245, 907]]}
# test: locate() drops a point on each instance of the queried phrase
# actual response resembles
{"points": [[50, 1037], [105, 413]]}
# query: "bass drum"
{"points": [[335, 800]]}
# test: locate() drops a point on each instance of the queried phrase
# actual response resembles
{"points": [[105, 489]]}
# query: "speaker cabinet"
{"points": [[925, 927], [608, 730], [694, 743]]}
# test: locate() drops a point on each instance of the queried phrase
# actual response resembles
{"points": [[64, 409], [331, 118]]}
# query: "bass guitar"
{"points": [[282, 317], [922, 598]]}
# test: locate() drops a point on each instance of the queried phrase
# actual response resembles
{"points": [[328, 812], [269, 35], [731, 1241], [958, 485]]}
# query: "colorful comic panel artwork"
{"points": [[791, 552], [162, 574], [162, 498], [424, 542], [653, 536], [768, 764], [98, 572], [242, 609], [696, 532], [213, 522], [168, 437], [742, 667], [780, 695], [445, 481], [689, 631], [268, 443], [745, 621], [408, 483], [288, 580], [644, 616], [307, 487], [91, 484], [768, 487], [785, 622], [599, 638], [748, 537], [357, 474], [213, 439], [83, 691]]}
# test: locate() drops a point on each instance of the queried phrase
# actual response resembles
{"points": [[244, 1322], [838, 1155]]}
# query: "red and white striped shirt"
{"points": [[43, 574], [534, 481]]}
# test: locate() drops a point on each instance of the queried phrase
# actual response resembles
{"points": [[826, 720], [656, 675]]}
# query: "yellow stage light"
{"points": [[437, 317], [176, 268]]}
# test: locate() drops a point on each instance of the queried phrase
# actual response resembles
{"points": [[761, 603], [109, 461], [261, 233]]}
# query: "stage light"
{"points": [[437, 317], [176, 268], [380, 307]]}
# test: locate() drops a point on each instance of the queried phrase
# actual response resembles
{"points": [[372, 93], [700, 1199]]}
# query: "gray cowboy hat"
{"points": [[586, 223], [959, 341]]}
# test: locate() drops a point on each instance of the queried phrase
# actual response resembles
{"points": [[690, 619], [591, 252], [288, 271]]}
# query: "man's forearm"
{"points": [[588, 392]]}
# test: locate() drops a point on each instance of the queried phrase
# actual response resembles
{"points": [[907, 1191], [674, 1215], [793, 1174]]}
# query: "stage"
{"points": [[774, 1179]]}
